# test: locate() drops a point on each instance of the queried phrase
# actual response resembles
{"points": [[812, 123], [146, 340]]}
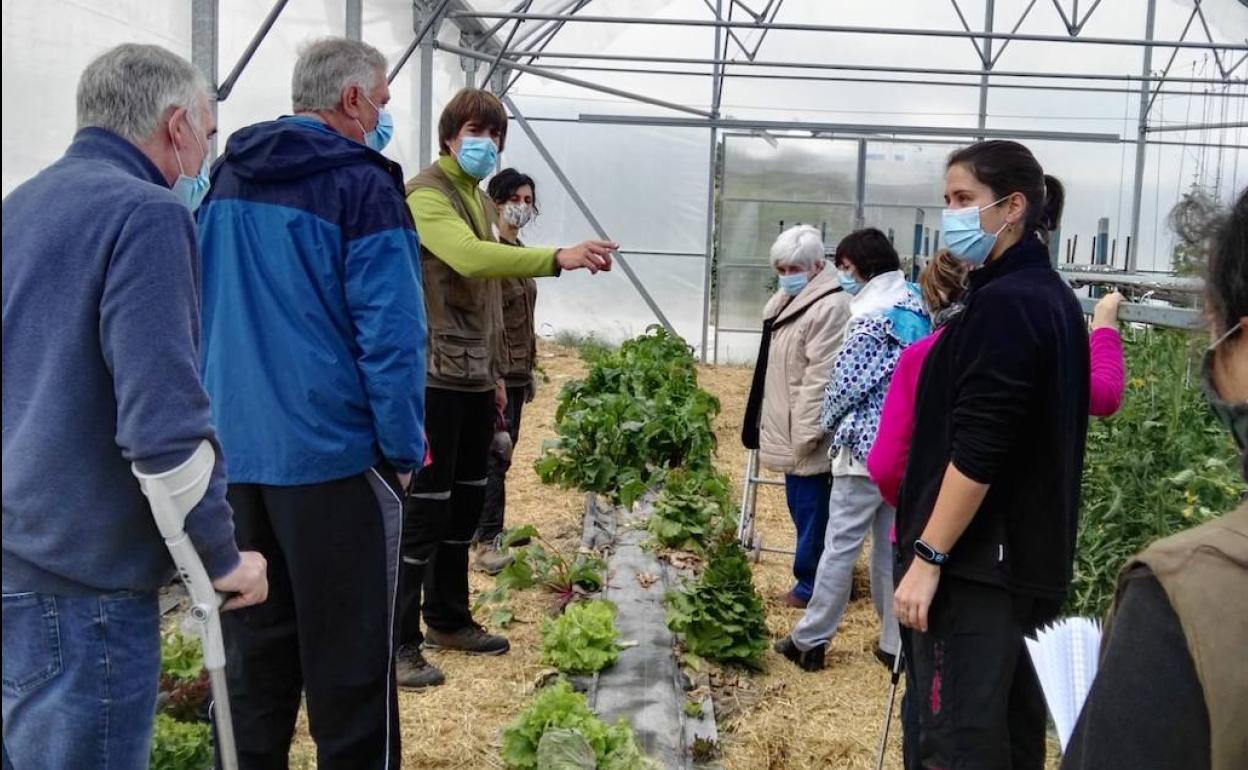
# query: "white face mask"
{"points": [[518, 214]]}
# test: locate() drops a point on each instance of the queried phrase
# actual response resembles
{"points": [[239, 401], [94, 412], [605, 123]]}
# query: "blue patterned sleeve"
{"points": [[863, 362]]}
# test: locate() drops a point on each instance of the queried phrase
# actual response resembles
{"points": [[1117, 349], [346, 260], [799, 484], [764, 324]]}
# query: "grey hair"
{"points": [[327, 66], [128, 88], [799, 246]]}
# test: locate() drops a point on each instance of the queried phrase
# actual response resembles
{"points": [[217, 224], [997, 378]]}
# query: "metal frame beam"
{"points": [[557, 170], [223, 92], [1193, 127], [544, 40], [549, 75], [841, 29], [853, 129], [927, 71], [428, 23], [883, 81]]}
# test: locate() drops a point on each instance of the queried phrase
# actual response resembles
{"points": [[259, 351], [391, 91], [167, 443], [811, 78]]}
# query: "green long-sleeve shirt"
{"points": [[449, 237]]}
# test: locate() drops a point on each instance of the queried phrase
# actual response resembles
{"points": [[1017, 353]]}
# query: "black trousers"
{"points": [[493, 514], [328, 626], [971, 681], [443, 510]]}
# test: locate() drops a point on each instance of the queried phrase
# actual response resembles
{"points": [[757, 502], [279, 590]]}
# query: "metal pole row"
{"points": [[841, 29]]}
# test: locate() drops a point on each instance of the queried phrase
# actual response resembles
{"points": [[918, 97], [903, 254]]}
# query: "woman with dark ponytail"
{"points": [[988, 509]]}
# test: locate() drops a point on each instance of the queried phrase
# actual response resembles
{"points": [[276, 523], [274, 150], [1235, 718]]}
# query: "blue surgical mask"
{"points": [[793, 284], [192, 189], [379, 137], [849, 283], [477, 156], [963, 235]]}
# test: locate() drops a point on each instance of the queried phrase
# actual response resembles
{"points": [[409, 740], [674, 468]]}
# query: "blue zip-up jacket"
{"points": [[314, 320], [101, 370]]}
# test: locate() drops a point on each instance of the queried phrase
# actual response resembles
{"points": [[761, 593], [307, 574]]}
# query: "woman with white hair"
{"points": [[802, 328]]}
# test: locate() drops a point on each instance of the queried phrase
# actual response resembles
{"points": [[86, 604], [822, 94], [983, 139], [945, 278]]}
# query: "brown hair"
{"points": [[467, 106], [943, 281], [1009, 167]]}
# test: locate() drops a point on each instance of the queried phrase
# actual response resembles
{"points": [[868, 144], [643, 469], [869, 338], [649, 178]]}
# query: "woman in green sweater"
{"points": [[460, 260]]}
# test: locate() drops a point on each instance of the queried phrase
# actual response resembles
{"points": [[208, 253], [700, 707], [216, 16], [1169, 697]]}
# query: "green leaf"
{"points": [[583, 639]]}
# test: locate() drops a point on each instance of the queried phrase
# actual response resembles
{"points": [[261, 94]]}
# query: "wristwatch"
{"points": [[929, 554]]}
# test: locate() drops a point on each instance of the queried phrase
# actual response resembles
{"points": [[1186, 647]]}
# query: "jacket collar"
{"points": [[95, 143], [457, 175], [820, 285], [879, 294], [1029, 253]]}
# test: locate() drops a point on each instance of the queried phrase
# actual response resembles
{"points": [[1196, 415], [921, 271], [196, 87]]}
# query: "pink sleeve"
{"points": [[1108, 372], [887, 461]]}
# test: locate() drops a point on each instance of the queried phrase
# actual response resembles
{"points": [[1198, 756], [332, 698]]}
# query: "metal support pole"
{"points": [[428, 30], [989, 8], [557, 170], [223, 92], [205, 27], [354, 28], [716, 78], [860, 211], [1137, 191]]}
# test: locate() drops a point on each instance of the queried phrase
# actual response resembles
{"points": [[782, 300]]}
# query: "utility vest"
{"points": [[519, 334], [467, 348], [1204, 572]]}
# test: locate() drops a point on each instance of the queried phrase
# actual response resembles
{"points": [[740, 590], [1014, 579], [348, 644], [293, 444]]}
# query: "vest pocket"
{"points": [[462, 359]]}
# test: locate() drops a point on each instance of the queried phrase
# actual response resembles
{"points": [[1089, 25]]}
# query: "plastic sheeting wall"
{"points": [[648, 188]]}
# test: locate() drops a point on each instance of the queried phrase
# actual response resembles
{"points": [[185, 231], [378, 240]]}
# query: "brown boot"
{"points": [[491, 559]]}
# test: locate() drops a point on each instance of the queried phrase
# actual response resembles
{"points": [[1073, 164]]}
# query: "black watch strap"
{"points": [[930, 554]]}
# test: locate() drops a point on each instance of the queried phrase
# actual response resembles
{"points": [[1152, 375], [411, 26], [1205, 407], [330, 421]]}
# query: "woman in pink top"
{"points": [[942, 283]]}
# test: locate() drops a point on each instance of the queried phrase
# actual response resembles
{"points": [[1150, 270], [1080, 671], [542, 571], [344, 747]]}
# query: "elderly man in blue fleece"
{"points": [[101, 335], [314, 355]]}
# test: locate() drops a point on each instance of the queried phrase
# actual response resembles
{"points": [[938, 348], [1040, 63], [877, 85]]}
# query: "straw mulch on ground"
{"points": [[782, 718]]}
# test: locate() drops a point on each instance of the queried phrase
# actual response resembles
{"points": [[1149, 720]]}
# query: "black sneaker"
{"points": [[810, 660], [413, 672], [472, 639]]}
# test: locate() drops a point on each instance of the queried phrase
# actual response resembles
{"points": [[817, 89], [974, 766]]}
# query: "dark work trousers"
{"points": [[971, 681], [496, 488], [328, 626], [443, 510]]}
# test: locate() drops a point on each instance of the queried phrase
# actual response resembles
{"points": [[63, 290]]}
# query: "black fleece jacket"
{"points": [[1004, 396]]}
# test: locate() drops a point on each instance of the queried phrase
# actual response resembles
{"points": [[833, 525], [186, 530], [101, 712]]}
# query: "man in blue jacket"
{"points": [[314, 355], [101, 370]]}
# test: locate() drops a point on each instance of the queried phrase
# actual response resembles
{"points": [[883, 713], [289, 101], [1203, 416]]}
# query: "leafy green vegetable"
{"points": [[638, 413], [180, 745], [181, 657], [559, 707], [583, 639], [721, 616], [692, 511], [1162, 464]]}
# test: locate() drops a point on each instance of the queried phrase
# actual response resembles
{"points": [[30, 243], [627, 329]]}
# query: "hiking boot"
{"points": [[491, 558], [810, 660], [473, 639], [413, 672]]}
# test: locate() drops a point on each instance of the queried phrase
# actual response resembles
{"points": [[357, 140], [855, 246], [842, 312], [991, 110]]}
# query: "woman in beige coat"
{"points": [[802, 327]]}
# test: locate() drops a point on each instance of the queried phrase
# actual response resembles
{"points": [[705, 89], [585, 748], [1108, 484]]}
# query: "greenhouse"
{"points": [[675, 530]]}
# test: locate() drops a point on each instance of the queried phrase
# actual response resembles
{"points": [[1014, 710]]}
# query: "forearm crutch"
{"points": [[172, 495]]}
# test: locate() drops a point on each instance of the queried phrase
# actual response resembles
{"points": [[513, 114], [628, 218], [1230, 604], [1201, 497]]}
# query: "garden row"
{"points": [[637, 423]]}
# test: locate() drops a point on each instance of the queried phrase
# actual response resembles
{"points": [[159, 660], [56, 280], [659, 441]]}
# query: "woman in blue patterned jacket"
{"points": [[886, 314]]}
